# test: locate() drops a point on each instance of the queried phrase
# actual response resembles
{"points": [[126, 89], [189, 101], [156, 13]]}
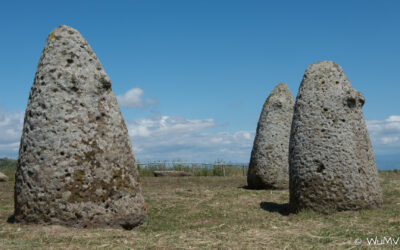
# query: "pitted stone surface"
{"points": [[332, 164], [76, 165], [269, 164]]}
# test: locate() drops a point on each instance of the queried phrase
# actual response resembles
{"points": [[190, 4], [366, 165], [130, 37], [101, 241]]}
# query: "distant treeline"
{"points": [[6, 163]]}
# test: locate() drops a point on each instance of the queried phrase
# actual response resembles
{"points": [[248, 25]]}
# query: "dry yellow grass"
{"points": [[216, 212]]}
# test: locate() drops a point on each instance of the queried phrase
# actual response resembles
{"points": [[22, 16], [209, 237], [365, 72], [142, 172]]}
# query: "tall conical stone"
{"points": [[76, 165], [269, 165], [332, 164]]}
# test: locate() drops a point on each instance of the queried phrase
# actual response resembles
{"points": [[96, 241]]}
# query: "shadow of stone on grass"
{"points": [[273, 207], [11, 219], [251, 188]]}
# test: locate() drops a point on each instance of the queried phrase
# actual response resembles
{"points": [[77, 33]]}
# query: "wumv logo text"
{"points": [[383, 241]]}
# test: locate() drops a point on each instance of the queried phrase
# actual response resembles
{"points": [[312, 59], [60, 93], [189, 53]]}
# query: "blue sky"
{"points": [[192, 76]]}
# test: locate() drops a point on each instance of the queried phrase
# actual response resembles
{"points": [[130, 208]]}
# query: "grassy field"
{"points": [[216, 212]]}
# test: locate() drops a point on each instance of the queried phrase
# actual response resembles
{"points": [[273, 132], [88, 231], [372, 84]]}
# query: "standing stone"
{"points": [[76, 165], [332, 165], [269, 165]]}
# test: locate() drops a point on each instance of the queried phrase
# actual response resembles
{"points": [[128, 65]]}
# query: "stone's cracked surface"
{"points": [[269, 164], [76, 165], [332, 164]]}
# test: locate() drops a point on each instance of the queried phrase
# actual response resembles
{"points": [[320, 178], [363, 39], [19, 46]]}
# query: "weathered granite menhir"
{"points": [[269, 164], [76, 165], [332, 164]]}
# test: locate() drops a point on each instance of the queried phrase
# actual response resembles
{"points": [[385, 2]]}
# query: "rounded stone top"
{"points": [[281, 88], [63, 26], [324, 65], [65, 30], [66, 37], [280, 95], [68, 55], [324, 74]]}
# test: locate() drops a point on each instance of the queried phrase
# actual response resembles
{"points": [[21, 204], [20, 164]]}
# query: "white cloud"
{"points": [[165, 125], [10, 147], [133, 98], [385, 135], [394, 118], [150, 102], [10, 132], [169, 138], [157, 138]]}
